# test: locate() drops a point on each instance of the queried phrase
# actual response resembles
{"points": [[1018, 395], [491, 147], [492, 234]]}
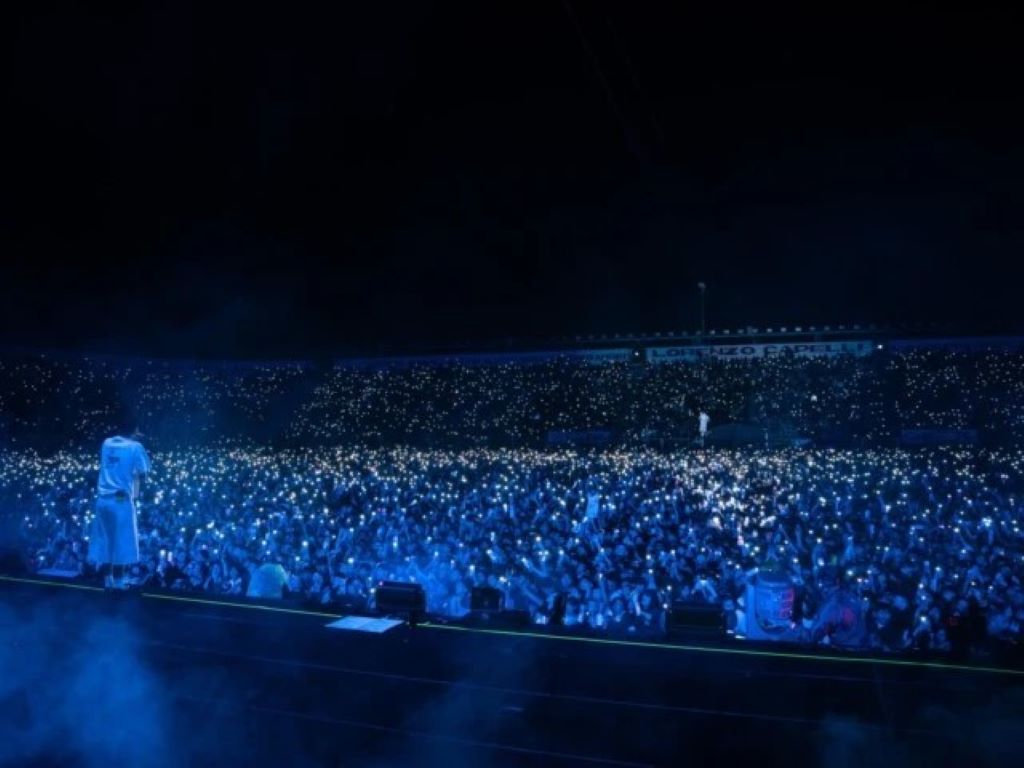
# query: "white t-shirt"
{"points": [[121, 461], [704, 421]]}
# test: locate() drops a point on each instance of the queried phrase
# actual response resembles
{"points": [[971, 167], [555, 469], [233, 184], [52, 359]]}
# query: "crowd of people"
{"points": [[442, 474], [843, 400], [512, 404], [48, 401], [959, 389], [604, 540]]}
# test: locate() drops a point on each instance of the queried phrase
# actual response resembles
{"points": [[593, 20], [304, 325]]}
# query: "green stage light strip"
{"points": [[44, 583], [732, 651], [540, 636], [248, 606]]}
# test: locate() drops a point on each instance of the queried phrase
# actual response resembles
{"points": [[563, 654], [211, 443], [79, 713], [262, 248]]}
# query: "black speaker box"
{"points": [[696, 618], [486, 599], [401, 598]]}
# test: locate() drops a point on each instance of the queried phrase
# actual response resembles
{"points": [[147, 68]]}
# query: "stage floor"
{"points": [[95, 678]]}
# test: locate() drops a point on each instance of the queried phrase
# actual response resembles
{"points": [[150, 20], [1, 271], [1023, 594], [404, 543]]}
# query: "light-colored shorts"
{"points": [[118, 539]]}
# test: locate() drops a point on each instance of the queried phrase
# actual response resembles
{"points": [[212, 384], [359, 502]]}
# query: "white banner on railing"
{"points": [[757, 351]]}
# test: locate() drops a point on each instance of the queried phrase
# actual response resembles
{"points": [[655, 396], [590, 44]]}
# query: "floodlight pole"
{"points": [[703, 292]]}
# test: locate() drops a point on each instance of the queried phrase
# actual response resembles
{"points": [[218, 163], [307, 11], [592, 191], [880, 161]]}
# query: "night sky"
{"points": [[272, 180]]}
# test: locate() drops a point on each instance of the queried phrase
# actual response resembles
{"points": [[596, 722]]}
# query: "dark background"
{"points": [[278, 180]]}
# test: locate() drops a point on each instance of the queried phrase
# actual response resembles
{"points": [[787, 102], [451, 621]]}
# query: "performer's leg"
{"points": [[106, 511], [125, 542]]}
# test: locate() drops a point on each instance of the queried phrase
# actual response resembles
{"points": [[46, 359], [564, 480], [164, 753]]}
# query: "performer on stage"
{"points": [[123, 461]]}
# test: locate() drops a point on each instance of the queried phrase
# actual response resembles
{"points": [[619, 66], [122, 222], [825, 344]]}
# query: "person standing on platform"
{"points": [[704, 420], [123, 462]]}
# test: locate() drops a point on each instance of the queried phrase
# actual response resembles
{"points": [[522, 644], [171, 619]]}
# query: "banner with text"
{"points": [[758, 351], [491, 358]]}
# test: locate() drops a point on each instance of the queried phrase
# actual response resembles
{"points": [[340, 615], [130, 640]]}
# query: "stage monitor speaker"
{"points": [[696, 618], [404, 598], [486, 599]]}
